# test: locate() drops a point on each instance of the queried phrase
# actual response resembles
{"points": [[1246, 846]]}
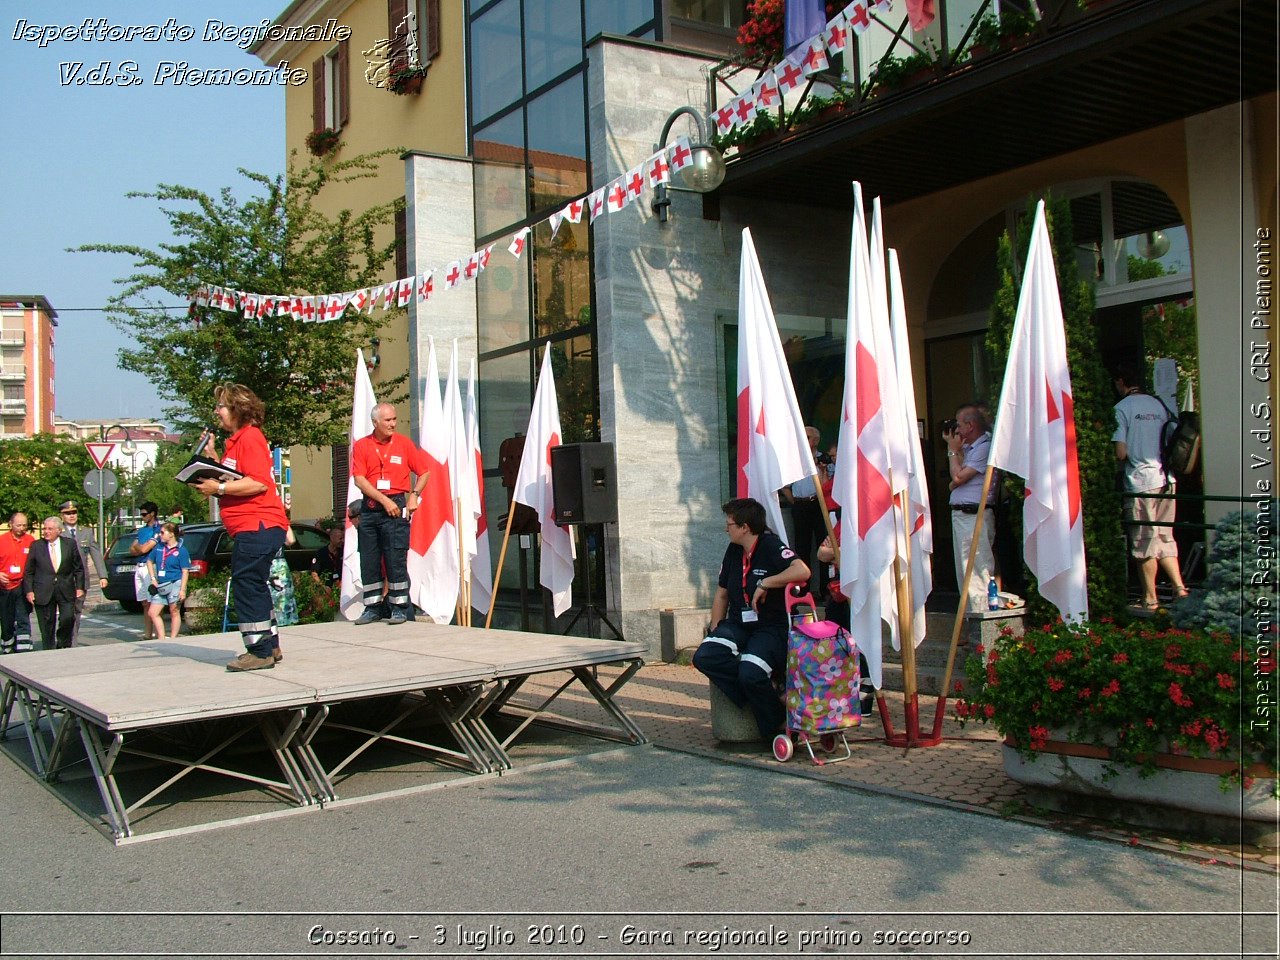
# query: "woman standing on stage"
{"points": [[254, 516]]}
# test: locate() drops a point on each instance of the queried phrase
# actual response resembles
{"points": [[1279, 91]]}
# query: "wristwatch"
{"points": [[222, 487]]}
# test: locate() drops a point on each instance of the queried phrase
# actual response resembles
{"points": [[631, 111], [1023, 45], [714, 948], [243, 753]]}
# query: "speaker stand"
{"points": [[590, 606]]}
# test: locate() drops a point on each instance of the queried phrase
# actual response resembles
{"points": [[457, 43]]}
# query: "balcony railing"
{"points": [[13, 372], [12, 338], [13, 406], [889, 58]]}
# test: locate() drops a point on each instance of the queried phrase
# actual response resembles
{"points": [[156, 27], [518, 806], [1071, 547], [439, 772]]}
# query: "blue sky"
{"points": [[74, 150]]}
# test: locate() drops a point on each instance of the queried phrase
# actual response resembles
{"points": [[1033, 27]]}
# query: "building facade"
{"points": [[27, 329]]}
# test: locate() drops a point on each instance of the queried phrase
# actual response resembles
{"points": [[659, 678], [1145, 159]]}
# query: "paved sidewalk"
{"points": [[965, 771]]}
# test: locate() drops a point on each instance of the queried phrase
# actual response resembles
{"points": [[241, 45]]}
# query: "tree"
{"points": [[1094, 398], [41, 472], [157, 484], [274, 242]]}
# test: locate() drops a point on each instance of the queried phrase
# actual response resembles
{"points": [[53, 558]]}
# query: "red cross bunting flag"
{"points": [[765, 92], [836, 36], [363, 400], [555, 220], [659, 169], [788, 74], [724, 118], [433, 537], [453, 274], [533, 488], [744, 110], [573, 211], [426, 286], [404, 291], [517, 245], [250, 303], [616, 196], [595, 204], [681, 154], [1035, 434], [773, 450], [858, 16], [634, 183], [814, 58]]}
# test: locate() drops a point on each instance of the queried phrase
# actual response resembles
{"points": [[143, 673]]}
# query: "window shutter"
{"points": [[431, 31], [402, 243], [339, 458], [397, 10], [344, 84], [317, 95]]}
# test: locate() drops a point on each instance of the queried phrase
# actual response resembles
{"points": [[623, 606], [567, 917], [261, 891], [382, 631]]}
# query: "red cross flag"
{"points": [[363, 401], [744, 110], [659, 169], [773, 450], [868, 531], [404, 291], [765, 92], [858, 17], [555, 220], [533, 488], [389, 295], [836, 36], [1035, 435], [433, 538], [789, 74], [616, 197], [595, 203], [426, 286], [453, 274], [681, 154], [518, 242], [635, 183], [814, 57], [250, 303], [724, 118], [481, 562], [573, 211]]}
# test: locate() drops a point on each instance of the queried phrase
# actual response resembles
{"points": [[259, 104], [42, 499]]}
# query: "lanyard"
{"points": [[165, 554], [746, 569]]}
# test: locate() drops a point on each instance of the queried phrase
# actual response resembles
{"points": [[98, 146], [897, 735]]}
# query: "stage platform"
{"points": [[441, 692]]}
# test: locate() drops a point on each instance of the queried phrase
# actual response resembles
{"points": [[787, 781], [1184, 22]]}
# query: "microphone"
{"points": [[206, 438]]}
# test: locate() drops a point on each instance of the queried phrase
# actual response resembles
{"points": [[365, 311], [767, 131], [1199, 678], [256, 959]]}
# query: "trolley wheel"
{"points": [[783, 748]]}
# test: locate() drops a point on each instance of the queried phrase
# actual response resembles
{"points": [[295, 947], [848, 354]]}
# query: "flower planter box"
{"points": [[1184, 793]]}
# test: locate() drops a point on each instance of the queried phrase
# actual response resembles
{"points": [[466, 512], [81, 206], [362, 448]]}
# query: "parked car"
{"points": [[210, 547]]}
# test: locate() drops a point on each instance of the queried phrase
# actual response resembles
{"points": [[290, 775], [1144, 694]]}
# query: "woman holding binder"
{"points": [[254, 516]]}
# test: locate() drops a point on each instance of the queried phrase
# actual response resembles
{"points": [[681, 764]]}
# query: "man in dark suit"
{"points": [[53, 581]]}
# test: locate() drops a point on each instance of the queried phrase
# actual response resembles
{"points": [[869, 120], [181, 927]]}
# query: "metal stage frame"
{"points": [[114, 697]]}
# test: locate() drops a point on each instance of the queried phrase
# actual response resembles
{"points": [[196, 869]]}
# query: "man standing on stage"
{"points": [[15, 619], [381, 464], [53, 582]]}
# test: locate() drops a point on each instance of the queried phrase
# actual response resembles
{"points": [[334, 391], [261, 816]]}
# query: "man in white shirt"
{"points": [[1140, 420], [968, 447]]}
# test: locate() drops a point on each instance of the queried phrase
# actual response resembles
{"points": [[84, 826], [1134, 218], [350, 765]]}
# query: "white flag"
{"points": [[533, 488], [362, 403], [433, 538], [1035, 435], [481, 564], [773, 450], [461, 466]]}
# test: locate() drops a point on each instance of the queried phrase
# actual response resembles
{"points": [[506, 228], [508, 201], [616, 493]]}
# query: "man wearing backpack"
{"points": [[1140, 421]]}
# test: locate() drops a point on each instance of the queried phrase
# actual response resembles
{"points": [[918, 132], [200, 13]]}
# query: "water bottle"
{"points": [[993, 595]]}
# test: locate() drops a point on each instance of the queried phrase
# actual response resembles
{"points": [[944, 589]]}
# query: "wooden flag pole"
{"points": [[826, 520], [502, 556], [964, 602]]}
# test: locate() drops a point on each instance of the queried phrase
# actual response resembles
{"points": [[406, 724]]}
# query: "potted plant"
{"points": [[1136, 698], [406, 80], [321, 142], [893, 73]]}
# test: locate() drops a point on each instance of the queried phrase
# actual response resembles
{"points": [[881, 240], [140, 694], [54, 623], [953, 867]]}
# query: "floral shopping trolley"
{"points": [[822, 690]]}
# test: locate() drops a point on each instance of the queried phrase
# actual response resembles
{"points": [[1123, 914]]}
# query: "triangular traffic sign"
{"points": [[101, 452]]}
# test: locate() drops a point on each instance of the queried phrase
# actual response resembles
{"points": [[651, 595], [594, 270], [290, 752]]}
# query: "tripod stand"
{"points": [[591, 607]]}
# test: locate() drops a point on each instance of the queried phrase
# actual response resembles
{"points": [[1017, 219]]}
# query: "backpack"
{"points": [[1179, 442]]}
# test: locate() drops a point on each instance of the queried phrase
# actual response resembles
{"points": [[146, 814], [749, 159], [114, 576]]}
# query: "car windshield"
{"points": [[121, 547]]}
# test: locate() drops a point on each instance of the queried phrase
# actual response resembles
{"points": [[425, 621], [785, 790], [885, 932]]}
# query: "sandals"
{"points": [[1149, 605]]}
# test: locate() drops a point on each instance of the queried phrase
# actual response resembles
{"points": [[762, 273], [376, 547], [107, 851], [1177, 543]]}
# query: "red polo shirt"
{"points": [[13, 557], [387, 463], [247, 452]]}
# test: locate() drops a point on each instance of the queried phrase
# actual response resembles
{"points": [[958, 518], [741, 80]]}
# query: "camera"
{"points": [[823, 459], [949, 426]]}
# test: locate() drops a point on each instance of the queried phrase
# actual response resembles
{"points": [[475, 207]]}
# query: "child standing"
{"points": [[168, 564]]}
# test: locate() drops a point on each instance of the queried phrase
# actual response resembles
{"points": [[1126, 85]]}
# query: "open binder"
{"points": [[202, 468]]}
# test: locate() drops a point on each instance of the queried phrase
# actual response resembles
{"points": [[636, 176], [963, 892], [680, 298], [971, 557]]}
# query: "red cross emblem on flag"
{"points": [[681, 157], [597, 204], [517, 244], [265, 305], [617, 197], [426, 287], [336, 307], [724, 119], [789, 77], [308, 309], [857, 14], [765, 93], [745, 108], [574, 211], [360, 299], [473, 265], [451, 278], [816, 58], [658, 173], [836, 37]]}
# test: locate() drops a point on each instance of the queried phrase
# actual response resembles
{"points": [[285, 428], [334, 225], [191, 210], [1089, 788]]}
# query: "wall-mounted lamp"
{"points": [[703, 174], [374, 357]]}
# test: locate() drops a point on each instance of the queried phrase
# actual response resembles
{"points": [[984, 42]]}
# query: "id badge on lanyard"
{"points": [[749, 615]]}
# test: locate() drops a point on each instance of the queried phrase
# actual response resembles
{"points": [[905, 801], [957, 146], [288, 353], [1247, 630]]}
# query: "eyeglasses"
{"points": [[220, 406]]}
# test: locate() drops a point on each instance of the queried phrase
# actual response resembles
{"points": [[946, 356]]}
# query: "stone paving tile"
{"points": [[669, 702]]}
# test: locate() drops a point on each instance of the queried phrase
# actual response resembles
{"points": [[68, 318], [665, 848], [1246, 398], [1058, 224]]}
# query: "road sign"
{"points": [[101, 452], [101, 489]]}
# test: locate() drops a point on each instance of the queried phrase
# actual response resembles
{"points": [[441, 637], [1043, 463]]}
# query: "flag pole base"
{"points": [[911, 738]]}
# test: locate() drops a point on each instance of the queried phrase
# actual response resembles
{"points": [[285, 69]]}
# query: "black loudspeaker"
{"points": [[583, 483]]}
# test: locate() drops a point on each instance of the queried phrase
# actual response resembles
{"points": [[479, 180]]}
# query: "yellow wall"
{"points": [[433, 120]]}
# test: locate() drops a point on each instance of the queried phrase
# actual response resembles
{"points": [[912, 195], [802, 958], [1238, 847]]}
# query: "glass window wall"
{"points": [[557, 145], [496, 59], [553, 39]]}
